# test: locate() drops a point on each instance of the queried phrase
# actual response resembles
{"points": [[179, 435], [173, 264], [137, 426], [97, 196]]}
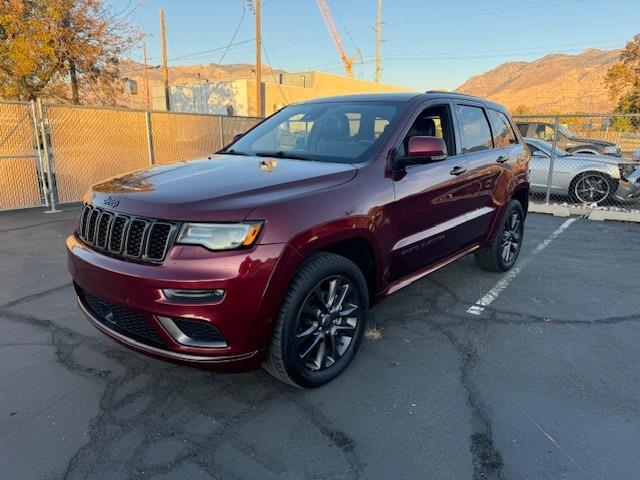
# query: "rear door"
{"points": [[428, 214], [485, 167]]}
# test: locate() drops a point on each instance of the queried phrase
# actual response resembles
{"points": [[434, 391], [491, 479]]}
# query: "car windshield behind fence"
{"points": [[602, 169], [332, 132]]}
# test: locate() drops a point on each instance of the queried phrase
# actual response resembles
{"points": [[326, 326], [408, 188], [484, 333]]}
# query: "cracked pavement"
{"points": [[544, 384]]}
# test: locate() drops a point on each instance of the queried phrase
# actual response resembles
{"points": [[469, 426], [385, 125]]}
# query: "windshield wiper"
{"points": [[231, 151], [281, 154]]}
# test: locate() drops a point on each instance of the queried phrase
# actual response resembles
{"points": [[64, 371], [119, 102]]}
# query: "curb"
{"points": [[588, 213]]}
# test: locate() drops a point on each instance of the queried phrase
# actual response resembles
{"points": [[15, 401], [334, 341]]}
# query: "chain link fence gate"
{"points": [[584, 159], [22, 179]]}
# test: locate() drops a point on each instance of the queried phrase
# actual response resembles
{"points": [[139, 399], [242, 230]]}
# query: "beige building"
{"points": [[238, 97]]}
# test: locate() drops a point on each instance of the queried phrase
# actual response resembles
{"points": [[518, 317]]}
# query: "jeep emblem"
{"points": [[111, 202]]}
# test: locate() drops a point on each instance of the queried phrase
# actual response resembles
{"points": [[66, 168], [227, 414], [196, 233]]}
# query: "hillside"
{"points": [[555, 83]]}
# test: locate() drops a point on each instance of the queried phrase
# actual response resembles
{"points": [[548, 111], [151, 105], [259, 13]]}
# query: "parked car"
{"points": [[567, 140], [273, 251], [585, 178]]}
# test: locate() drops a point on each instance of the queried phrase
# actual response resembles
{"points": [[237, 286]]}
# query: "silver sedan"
{"points": [[585, 178]]}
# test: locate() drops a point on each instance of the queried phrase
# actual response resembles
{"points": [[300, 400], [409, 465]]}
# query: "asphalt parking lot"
{"points": [[542, 384]]}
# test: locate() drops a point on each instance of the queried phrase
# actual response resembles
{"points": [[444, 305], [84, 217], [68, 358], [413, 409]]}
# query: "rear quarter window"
{"points": [[502, 132]]}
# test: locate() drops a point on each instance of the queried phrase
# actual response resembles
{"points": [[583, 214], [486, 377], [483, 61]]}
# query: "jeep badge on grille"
{"points": [[111, 202]]}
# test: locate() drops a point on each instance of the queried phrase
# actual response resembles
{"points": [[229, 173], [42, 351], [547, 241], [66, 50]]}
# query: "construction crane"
{"points": [[337, 41]]}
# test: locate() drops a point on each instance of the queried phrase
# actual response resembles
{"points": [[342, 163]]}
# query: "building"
{"points": [[238, 97]]}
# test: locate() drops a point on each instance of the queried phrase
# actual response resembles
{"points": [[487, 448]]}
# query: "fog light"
{"points": [[194, 296]]}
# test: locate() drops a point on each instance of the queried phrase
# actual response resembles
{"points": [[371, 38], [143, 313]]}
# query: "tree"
{"points": [[623, 83], [66, 49], [522, 110]]}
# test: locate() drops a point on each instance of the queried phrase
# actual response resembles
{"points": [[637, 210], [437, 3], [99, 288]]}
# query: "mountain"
{"points": [[556, 83]]}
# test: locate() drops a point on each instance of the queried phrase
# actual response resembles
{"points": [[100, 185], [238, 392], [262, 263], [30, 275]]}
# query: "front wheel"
{"points": [[504, 251], [592, 187], [321, 322]]}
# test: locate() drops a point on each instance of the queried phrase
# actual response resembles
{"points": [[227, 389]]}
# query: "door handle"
{"points": [[458, 170], [502, 159]]}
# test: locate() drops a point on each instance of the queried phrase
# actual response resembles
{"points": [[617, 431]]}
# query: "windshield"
{"points": [[546, 147], [566, 131], [347, 132]]}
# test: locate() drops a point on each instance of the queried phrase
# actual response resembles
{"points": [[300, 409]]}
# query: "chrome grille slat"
{"points": [[125, 236]]}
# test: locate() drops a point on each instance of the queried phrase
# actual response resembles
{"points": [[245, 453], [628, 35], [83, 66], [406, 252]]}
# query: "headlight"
{"points": [[610, 150], [220, 236]]}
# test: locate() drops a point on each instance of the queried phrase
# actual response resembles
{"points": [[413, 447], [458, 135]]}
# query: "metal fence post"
{"points": [[147, 119], [43, 183], [47, 159], [552, 159], [221, 132]]}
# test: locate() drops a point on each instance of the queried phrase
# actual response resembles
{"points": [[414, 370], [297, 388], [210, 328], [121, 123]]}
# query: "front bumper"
{"points": [[629, 187], [243, 317]]}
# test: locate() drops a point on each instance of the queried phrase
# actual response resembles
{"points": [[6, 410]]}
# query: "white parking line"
{"points": [[478, 307]]}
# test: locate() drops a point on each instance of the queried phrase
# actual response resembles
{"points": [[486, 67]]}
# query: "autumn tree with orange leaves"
{"points": [[68, 50], [623, 82]]}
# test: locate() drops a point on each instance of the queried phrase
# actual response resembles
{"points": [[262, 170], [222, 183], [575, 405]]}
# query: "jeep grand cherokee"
{"points": [[271, 251]]}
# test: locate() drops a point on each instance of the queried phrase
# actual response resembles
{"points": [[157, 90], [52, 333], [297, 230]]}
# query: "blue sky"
{"points": [[426, 44]]}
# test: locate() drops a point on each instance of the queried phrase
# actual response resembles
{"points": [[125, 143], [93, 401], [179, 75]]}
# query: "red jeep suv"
{"points": [[271, 251]]}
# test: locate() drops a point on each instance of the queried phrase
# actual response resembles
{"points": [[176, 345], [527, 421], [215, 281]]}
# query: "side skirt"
{"points": [[409, 279]]}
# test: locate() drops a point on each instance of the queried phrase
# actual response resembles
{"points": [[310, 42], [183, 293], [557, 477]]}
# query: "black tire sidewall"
{"points": [[306, 281], [607, 178], [513, 205]]}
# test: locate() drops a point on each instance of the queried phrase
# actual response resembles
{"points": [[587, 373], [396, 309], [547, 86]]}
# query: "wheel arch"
{"points": [[521, 194]]}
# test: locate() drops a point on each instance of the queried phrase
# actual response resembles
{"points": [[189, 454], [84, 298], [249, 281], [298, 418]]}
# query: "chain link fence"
{"points": [[54, 153], [582, 159], [21, 173]]}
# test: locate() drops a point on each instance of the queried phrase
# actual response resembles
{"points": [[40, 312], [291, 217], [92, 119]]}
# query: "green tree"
{"points": [[66, 49], [623, 83]]}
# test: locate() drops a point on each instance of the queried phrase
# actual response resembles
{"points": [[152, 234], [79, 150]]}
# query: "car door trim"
{"points": [[442, 227]]}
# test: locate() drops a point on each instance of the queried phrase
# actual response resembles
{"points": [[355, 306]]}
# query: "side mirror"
{"points": [[421, 150], [237, 137]]}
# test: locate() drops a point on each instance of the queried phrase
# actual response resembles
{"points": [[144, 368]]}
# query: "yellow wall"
{"points": [[319, 84]]}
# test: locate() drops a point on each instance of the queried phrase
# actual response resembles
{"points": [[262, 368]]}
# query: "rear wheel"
{"points": [[504, 251], [321, 322]]}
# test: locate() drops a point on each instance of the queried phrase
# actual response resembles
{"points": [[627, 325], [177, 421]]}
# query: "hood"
{"points": [[610, 159], [593, 141], [222, 188]]}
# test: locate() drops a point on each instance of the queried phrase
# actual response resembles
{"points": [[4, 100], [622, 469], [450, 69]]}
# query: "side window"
{"points": [[502, 131], [432, 122], [544, 132], [523, 127], [475, 133]]}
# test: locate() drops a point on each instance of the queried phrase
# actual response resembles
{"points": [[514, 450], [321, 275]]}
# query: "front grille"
{"points": [[122, 320], [137, 238], [199, 330]]}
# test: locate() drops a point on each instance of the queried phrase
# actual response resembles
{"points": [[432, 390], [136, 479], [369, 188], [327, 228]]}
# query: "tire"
{"points": [[508, 240], [579, 188], [317, 333]]}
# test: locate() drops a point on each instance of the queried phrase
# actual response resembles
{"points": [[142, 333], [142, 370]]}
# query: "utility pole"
{"points": [[146, 76], [259, 111], [378, 30], [165, 68]]}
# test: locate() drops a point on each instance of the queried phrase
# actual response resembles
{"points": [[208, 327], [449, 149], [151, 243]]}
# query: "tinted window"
{"points": [[432, 122], [502, 131], [523, 128], [474, 129]]}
